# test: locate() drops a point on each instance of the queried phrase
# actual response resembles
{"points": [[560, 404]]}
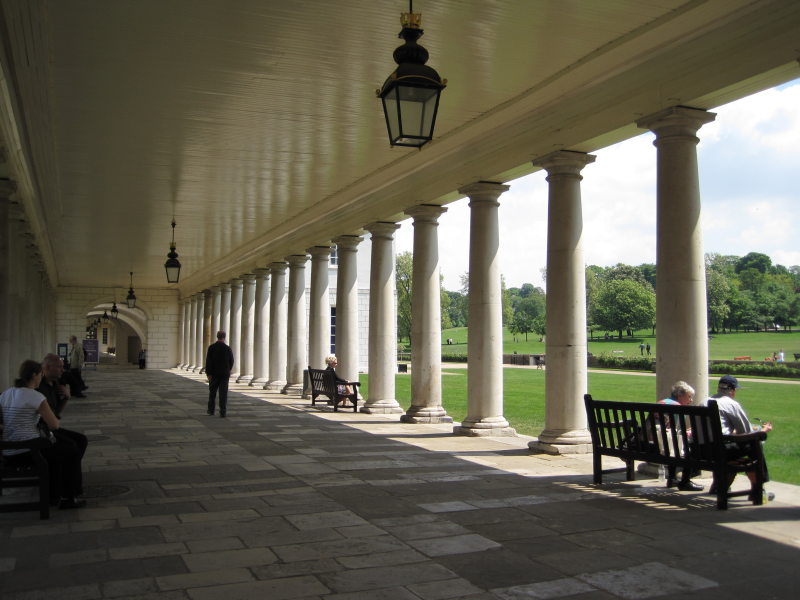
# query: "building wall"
{"points": [[155, 320]]}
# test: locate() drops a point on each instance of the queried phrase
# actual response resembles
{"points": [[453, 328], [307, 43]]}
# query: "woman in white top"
{"points": [[21, 407]]}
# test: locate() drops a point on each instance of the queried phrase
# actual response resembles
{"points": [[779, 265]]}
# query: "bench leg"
{"points": [[598, 468]]}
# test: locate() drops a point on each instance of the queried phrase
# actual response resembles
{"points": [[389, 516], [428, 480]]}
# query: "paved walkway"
{"points": [[279, 501]]}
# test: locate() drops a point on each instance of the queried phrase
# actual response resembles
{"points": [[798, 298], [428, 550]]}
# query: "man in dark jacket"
{"points": [[219, 362]]}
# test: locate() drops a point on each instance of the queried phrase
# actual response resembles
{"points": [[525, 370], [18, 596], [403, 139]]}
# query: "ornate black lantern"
{"points": [[410, 95], [114, 311], [173, 265], [131, 298]]}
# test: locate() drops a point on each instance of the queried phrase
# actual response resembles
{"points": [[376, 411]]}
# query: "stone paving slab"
{"points": [[282, 500]]}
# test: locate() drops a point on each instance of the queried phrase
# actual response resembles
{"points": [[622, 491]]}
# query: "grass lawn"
{"points": [[525, 406], [722, 346]]}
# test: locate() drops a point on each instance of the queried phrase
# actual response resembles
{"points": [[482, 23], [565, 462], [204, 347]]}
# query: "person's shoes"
{"points": [[67, 503], [671, 483], [221, 415], [770, 496], [690, 486], [210, 413]]}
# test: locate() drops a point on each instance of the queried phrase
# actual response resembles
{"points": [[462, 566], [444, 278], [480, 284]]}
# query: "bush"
{"points": [[459, 358], [638, 363], [757, 369]]}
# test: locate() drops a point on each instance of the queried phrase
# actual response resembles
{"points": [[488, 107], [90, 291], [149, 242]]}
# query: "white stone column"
{"points": [[192, 333], [208, 316], [235, 333], [566, 347], [485, 347], [261, 329], [382, 322], [225, 309], [216, 311], [7, 372], [319, 314], [296, 357], [181, 331], [248, 328], [187, 333], [200, 350], [277, 328], [347, 351], [681, 310], [426, 320]]}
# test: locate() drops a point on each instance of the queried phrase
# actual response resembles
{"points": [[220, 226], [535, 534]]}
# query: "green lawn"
{"points": [[524, 406], [723, 346]]}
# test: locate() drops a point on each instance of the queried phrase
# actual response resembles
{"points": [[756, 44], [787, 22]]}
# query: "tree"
{"points": [[404, 265], [717, 294], [627, 272], [458, 316], [621, 304], [505, 302], [754, 260]]}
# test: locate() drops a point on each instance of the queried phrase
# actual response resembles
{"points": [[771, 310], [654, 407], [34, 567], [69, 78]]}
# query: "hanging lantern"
{"points": [[173, 265]]}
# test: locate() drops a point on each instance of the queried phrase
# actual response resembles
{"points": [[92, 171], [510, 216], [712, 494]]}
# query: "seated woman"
{"points": [[341, 384], [682, 393], [22, 407]]}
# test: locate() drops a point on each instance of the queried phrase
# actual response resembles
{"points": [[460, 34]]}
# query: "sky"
{"points": [[749, 165]]}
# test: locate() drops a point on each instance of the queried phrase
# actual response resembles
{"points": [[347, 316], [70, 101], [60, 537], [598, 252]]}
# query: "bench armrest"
{"points": [[754, 436]]}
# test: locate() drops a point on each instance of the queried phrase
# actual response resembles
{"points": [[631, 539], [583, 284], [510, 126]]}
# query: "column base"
{"points": [[244, 379], [382, 407], [293, 389], [565, 437], [484, 431], [258, 382], [275, 386], [426, 414], [539, 447]]}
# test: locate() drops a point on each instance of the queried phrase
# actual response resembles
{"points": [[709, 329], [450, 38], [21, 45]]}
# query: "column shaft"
{"points": [[225, 308], [235, 333], [277, 328], [566, 347], [485, 348], [382, 322], [319, 314], [216, 311], [261, 329], [347, 350], [248, 328], [681, 310], [198, 333], [426, 321], [296, 357]]}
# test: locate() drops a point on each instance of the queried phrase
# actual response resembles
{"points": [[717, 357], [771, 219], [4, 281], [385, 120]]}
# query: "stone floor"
{"points": [[279, 501]]}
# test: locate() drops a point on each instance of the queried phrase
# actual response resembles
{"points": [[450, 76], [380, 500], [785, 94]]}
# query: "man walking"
{"points": [[219, 362]]}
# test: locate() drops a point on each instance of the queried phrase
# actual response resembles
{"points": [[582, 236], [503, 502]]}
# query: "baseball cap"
{"points": [[729, 381]]}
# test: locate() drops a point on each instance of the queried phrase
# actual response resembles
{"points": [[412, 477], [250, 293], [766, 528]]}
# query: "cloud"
{"points": [[750, 199]]}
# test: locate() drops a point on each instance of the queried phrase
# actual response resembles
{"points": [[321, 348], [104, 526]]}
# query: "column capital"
{"points": [[248, 277], [297, 260], [676, 121], [348, 242], [382, 229], [236, 283], [429, 213], [564, 162], [484, 191], [278, 267], [225, 286], [206, 293], [319, 252], [215, 288], [261, 273]]}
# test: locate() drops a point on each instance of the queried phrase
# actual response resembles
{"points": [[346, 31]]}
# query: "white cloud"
{"points": [[748, 166]]}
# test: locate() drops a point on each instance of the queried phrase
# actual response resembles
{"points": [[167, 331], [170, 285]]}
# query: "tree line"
{"points": [[744, 293]]}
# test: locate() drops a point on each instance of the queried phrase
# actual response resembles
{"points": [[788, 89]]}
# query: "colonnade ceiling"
{"points": [[255, 123]]}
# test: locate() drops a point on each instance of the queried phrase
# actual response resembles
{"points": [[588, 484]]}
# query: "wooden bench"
{"points": [[35, 474], [797, 355], [659, 433], [741, 358], [323, 383]]}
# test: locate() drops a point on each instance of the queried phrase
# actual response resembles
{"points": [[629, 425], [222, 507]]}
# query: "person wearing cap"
{"points": [[734, 421]]}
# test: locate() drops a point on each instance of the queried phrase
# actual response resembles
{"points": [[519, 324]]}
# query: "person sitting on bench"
{"points": [[734, 420], [682, 393], [341, 384]]}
